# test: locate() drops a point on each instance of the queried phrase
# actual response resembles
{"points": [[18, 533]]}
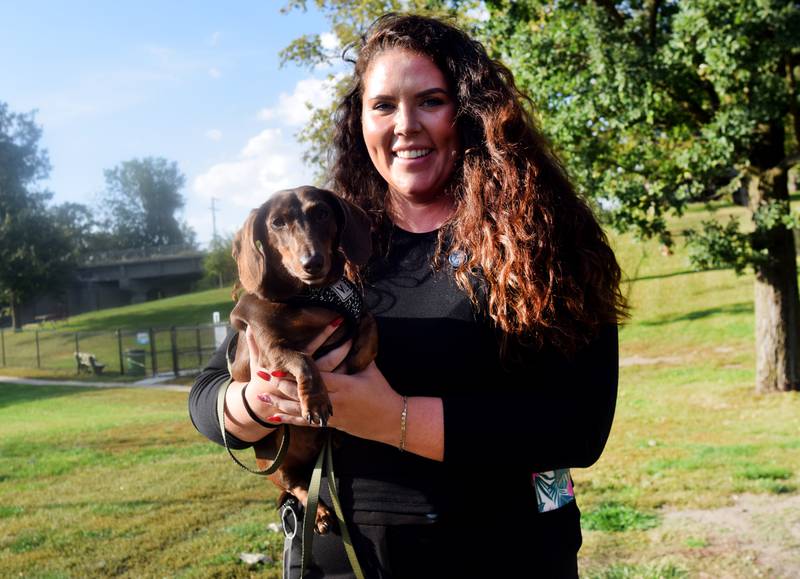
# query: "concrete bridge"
{"points": [[118, 278]]}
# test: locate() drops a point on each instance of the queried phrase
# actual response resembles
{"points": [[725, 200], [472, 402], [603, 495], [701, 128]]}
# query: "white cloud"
{"points": [[214, 72], [214, 40], [269, 162], [293, 109], [214, 134], [329, 41]]}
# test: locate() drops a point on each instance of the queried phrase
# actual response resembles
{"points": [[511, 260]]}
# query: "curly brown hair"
{"points": [[549, 273]]}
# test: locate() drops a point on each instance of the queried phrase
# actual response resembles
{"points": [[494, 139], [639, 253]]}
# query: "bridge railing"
{"points": [[139, 353], [138, 254]]}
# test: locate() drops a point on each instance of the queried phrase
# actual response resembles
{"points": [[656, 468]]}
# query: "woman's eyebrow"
{"points": [[424, 93]]}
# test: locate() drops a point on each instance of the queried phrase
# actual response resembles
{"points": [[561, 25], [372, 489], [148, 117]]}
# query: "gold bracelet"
{"points": [[403, 417]]}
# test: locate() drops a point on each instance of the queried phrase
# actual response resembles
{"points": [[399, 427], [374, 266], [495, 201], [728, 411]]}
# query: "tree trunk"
{"points": [[14, 307], [776, 295]]}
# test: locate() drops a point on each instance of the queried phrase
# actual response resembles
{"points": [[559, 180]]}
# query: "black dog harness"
{"points": [[343, 297]]}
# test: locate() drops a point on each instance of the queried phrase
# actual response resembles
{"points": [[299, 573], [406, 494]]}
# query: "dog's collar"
{"points": [[342, 296]]}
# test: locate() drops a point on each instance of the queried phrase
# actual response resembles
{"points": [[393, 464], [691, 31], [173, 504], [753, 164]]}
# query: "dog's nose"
{"points": [[313, 263]]}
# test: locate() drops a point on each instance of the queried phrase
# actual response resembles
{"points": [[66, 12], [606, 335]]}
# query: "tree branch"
{"points": [[611, 10], [789, 161], [653, 6], [791, 64]]}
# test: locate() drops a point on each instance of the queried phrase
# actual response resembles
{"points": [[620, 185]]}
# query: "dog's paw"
{"points": [[325, 520], [317, 409]]}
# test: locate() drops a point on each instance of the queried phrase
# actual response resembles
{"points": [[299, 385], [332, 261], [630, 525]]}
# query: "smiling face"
{"points": [[408, 124]]}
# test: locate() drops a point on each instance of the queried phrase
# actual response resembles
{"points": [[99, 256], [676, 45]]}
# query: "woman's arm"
{"points": [[557, 417], [367, 406], [263, 393]]}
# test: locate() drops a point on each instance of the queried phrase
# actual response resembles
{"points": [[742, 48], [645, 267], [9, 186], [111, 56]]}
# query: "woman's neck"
{"points": [[419, 217]]}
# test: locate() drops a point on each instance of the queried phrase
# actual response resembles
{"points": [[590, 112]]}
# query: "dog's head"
{"points": [[299, 237]]}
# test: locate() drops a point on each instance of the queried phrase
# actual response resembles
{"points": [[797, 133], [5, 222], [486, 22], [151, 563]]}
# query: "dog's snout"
{"points": [[313, 263]]}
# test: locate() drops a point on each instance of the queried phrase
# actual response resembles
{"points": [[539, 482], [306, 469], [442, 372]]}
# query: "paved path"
{"points": [[144, 384]]}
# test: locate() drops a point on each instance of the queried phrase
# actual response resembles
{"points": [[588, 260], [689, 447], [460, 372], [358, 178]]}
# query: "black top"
{"points": [[502, 421]]}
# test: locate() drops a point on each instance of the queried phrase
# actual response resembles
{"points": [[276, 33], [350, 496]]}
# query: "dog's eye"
{"points": [[278, 223]]}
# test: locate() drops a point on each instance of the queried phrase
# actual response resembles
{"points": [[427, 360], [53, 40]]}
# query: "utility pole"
{"points": [[213, 222]]}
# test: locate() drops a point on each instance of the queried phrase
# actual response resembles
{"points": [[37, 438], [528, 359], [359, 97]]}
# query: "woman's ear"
{"points": [[249, 251], [355, 239]]}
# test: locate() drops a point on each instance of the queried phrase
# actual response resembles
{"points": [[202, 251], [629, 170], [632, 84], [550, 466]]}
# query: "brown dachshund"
{"points": [[291, 254]]}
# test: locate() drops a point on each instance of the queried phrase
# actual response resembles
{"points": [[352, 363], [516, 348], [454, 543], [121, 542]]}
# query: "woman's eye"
{"points": [[382, 107], [278, 223], [432, 102]]}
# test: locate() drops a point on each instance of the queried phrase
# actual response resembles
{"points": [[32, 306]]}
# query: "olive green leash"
{"points": [[324, 463]]}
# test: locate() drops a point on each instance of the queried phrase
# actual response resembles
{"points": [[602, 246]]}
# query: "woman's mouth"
{"points": [[412, 153]]}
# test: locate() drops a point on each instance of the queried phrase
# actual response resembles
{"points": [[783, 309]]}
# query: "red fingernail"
{"points": [[274, 419], [264, 398], [263, 375], [279, 374], [337, 322]]}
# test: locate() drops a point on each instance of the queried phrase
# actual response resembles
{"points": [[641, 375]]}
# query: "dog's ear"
{"points": [[355, 237], [249, 251]]}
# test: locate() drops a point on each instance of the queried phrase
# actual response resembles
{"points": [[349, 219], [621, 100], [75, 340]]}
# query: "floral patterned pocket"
{"points": [[553, 489]]}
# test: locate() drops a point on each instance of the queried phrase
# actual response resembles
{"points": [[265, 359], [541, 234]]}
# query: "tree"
{"points": [[141, 199], [80, 224], [655, 104], [35, 255], [219, 264]]}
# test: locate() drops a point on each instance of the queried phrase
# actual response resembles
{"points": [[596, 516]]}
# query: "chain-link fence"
{"points": [[151, 351]]}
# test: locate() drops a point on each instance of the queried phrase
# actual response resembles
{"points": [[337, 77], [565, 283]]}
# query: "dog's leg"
{"points": [[295, 472], [365, 346], [315, 405], [324, 520]]}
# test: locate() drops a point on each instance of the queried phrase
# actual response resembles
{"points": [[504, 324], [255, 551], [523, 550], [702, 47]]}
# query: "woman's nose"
{"points": [[406, 121]]}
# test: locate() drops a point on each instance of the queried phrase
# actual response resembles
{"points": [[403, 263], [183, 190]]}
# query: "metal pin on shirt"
{"points": [[457, 258]]}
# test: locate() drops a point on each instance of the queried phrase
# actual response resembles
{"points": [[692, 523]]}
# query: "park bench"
{"points": [[88, 362]]}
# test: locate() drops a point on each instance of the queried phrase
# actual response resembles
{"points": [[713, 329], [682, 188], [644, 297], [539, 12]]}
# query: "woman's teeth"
{"points": [[413, 154]]}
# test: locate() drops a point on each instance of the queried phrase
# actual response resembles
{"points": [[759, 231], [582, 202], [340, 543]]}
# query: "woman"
{"points": [[497, 300]]}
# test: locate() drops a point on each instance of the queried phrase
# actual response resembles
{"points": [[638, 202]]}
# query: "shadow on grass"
{"points": [[11, 394], [675, 274], [735, 309]]}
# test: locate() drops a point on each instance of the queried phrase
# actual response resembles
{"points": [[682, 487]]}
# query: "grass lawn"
{"points": [[102, 482], [699, 479], [111, 332]]}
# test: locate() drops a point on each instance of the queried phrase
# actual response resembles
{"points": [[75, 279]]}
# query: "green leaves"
{"points": [[719, 246], [140, 201], [656, 105]]}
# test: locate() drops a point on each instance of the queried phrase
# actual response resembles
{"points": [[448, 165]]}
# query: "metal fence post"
{"points": [[173, 337], [119, 347], [38, 356], [199, 348], [3, 345], [153, 360], [77, 350]]}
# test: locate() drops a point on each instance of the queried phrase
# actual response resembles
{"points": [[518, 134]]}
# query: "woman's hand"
{"points": [[365, 405], [269, 392]]}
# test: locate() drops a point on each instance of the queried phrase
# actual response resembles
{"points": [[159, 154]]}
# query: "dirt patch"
{"points": [[763, 530], [645, 361]]}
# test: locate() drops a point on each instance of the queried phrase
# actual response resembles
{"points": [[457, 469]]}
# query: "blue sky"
{"points": [[196, 82]]}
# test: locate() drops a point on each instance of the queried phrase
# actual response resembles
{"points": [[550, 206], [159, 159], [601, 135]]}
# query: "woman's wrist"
{"points": [[421, 429], [237, 418]]}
